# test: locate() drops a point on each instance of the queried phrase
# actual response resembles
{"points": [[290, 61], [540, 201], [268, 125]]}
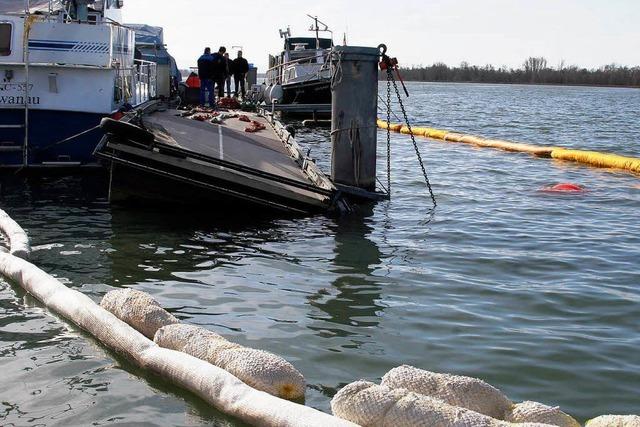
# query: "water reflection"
{"points": [[154, 245], [354, 297]]}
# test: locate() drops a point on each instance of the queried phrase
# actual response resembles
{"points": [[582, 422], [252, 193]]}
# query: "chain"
{"points": [[389, 137], [391, 79]]}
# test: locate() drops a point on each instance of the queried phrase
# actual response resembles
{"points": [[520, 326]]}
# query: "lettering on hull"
{"points": [[14, 87], [18, 100]]}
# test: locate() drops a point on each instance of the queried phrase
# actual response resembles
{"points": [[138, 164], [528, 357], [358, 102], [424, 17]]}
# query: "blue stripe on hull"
{"points": [[45, 129]]}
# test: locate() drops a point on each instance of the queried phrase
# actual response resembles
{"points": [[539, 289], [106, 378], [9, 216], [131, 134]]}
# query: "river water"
{"points": [[536, 293]]}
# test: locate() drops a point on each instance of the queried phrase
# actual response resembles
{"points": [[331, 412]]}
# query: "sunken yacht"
{"points": [[248, 162]]}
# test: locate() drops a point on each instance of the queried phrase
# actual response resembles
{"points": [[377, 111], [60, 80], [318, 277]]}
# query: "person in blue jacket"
{"points": [[205, 73]]}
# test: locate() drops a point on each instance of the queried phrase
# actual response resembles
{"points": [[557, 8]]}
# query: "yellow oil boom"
{"points": [[592, 158]]}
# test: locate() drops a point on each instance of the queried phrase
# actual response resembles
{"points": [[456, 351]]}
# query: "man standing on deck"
{"points": [[240, 69], [228, 72], [219, 69], [205, 73]]}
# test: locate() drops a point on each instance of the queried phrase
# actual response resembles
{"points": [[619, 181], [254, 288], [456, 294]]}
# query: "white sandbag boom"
{"points": [[214, 385], [138, 309], [260, 369], [372, 405], [456, 390], [18, 239]]}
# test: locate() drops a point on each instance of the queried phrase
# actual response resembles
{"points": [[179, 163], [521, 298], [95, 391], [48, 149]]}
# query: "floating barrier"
{"points": [[475, 395], [360, 402], [409, 396], [260, 369], [534, 412], [593, 158], [371, 405], [456, 390], [601, 160], [614, 421], [17, 239], [138, 309], [214, 385]]}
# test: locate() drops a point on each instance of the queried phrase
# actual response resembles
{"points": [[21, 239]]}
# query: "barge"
{"points": [[158, 154], [230, 159]]}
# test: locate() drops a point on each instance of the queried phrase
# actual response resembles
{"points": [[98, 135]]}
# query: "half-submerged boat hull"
{"points": [[183, 161]]}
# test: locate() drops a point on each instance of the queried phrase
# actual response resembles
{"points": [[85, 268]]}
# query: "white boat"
{"points": [[301, 73], [64, 65]]}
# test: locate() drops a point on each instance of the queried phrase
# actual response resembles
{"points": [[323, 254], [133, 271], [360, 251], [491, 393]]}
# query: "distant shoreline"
{"points": [[383, 78], [534, 71]]}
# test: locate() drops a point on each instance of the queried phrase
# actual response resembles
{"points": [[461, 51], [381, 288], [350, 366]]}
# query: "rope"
{"points": [[336, 77], [67, 139], [348, 129]]}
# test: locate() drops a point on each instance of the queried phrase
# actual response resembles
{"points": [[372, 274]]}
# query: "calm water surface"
{"points": [[536, 293]]}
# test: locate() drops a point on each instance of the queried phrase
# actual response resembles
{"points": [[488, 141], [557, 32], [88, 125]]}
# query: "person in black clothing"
{"points": [[240, 69], [219, 69], [205, 73], [228, 72]]}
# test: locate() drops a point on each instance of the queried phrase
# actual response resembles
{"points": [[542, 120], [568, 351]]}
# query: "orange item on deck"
{"points": [[255, 127], [230, 103], [193, 81]]}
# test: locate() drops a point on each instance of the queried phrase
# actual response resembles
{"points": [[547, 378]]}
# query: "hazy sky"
{"points": [[500, 32]]}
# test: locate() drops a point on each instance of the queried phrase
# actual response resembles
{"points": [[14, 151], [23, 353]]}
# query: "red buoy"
{"points": [[565, 187]]}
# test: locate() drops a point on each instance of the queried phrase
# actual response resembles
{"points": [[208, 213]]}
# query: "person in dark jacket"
{"points": [[205, 73], [219, 69], [240, 69], [228, 72]]}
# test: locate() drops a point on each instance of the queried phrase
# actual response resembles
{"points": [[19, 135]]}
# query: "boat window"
{"points": [[6, 29], [114, 4]]}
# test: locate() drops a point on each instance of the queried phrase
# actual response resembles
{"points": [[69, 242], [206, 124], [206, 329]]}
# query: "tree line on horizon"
{"points": [[534, 70]]}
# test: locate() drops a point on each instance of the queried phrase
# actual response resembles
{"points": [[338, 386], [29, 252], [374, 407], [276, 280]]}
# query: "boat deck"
{"points": [[219, 163], [261, 151]]}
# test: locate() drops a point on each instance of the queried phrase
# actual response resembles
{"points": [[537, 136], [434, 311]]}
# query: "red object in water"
{"points": [[565, 187]]}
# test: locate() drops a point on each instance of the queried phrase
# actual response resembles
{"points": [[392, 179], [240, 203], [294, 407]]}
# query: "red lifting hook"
{"points": [[387, 63]]}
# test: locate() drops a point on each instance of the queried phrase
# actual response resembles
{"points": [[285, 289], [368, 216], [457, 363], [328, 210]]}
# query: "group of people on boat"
{"points": [[215, 71]]}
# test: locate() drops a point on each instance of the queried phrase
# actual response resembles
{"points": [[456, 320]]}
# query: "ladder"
{"points": [[24, 148], [10, 146]]}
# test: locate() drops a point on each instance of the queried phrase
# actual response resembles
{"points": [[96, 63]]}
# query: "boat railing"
{"points": [[137, 84], [145, 78], [274, 74]]}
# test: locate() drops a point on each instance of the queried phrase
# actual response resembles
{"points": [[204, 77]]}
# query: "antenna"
{"points": [[316, 27], [285, 34]]}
